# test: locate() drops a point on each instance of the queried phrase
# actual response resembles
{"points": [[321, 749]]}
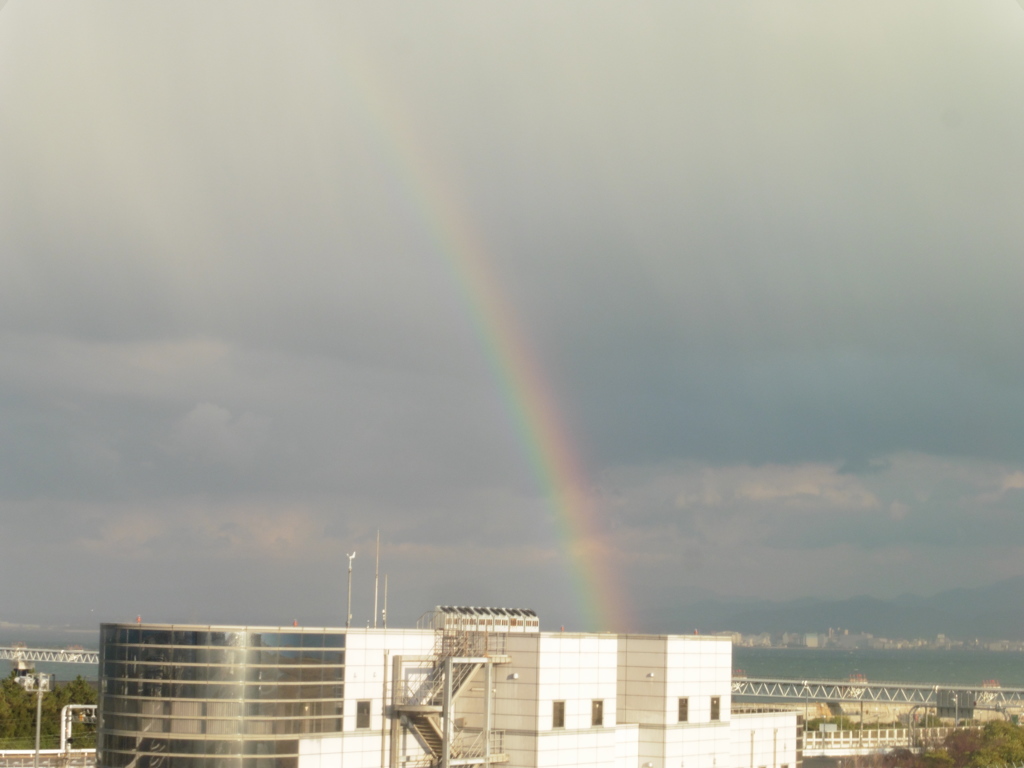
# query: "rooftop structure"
{"points": [[470, 618]]}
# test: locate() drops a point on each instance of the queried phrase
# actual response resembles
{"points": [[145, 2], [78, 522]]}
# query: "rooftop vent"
{"points": [[472, 618]]}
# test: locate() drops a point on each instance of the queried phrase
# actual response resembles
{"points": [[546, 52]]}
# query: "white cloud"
{"points": [[792, 521], [815, 486], [1013, 481], [211, 433]]}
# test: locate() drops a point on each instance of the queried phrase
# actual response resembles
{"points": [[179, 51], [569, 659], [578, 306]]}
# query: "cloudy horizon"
{"points": [[767, 258]]}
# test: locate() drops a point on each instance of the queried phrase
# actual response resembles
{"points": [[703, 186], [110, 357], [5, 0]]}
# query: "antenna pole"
{"points": [[376, 581], [384, 613], [348, 621]]}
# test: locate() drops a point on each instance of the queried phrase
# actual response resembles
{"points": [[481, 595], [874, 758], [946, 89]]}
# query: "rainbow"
{"points": [[529, 400]]}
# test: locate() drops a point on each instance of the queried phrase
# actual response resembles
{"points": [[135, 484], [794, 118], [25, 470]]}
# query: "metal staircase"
{"points": [[427, 730], [428, 707]]}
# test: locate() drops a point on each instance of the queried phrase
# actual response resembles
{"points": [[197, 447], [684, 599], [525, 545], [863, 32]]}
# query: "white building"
{"points": [[470, 687]]}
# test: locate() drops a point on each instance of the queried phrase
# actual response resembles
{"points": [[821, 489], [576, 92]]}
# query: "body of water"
{"points": [[953, 667]]}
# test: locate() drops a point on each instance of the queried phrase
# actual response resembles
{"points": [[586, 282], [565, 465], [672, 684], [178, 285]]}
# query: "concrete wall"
{"points": [[627, 745], [346, 751], [639, 679], [368, 654], [515, 699], [764, 740], [576, 669], [367, 664], [654, 672]]}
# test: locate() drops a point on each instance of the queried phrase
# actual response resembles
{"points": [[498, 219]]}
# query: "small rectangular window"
{"points": [[362, 714], [558, 714], [684, 710], [716, 711], [597, 712]]}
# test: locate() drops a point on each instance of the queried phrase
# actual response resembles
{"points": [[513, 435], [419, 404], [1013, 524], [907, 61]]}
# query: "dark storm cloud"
{"points": [[755, 248], [776, 408]]}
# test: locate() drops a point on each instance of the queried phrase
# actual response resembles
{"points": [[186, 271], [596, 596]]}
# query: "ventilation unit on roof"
{"points": [[481, 619]]}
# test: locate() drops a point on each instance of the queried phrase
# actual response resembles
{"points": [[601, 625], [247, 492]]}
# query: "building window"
{"points": [[684, 710], [597, 712], [362, 714], [558, 714], [716, 708]]}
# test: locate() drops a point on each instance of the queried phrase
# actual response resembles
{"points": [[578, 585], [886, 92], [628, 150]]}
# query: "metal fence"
{"points": [[52, 758], [871, 740]]}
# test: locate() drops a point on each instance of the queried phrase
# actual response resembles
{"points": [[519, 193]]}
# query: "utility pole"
{"points": [[376, 581], [39, 718], [348, 620]]}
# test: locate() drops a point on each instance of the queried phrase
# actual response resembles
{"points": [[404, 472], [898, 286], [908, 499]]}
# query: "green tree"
{"points": [[18, 714], [897, 758], [961, 744], [937, 758], [1001, 743]]}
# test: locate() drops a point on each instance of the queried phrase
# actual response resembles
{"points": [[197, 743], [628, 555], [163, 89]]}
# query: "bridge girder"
{"points": [[62, 655], [861, 690]]}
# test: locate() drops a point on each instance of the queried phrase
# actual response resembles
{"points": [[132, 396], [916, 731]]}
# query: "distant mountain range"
{"points": [[987, 613]]}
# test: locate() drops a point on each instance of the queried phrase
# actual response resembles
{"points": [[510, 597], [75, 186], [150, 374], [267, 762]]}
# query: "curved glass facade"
{"points": [[199, 697]]}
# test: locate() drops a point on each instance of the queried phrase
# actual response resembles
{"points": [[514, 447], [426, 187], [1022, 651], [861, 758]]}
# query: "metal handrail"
{"points": [[470, 744], [76, 758], [421, 692], [497, 742], [873, 737], [453, 644]]}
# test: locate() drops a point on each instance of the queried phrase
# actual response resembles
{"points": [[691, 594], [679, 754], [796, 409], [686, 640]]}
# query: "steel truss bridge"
{"points": [[62, 655], [881, 692]]}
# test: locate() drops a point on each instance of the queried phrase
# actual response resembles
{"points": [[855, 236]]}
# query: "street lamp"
{"points": [[40, 683]]}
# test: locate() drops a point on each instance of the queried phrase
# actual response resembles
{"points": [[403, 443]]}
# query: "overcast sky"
{"points": [[767, 256]]}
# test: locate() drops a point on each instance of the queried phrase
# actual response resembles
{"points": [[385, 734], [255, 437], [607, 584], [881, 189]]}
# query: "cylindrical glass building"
{"points": [[179, 696]]}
